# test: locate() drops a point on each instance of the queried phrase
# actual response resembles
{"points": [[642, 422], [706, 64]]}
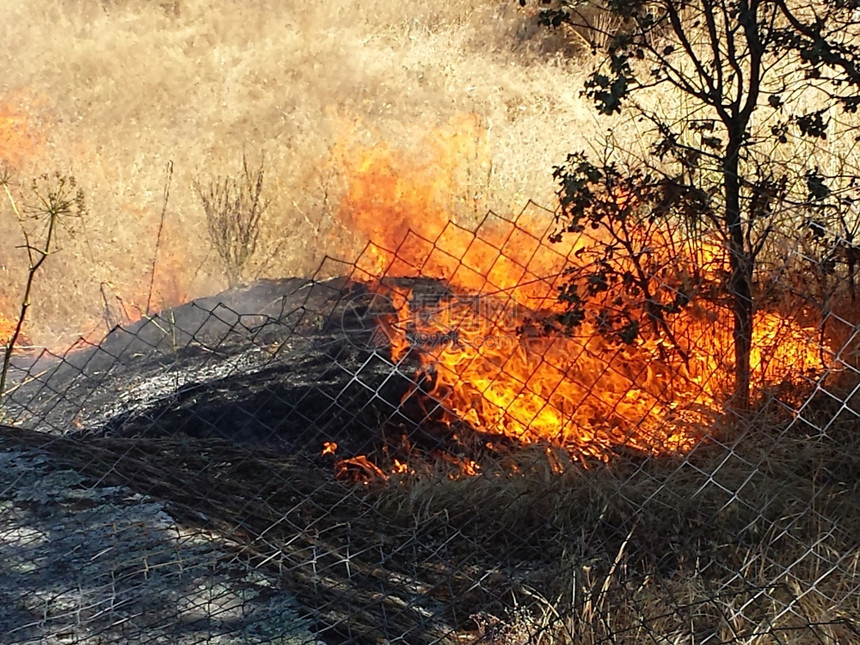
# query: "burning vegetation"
{"points": [[526, 343], [547, 391], [539, 337], [499, 354]]}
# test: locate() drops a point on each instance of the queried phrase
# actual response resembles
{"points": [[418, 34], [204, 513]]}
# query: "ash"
{"points": [[284, 363], [84, 563]]}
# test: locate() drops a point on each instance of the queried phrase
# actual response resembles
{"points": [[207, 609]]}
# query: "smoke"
{"points": [[111, 91]]}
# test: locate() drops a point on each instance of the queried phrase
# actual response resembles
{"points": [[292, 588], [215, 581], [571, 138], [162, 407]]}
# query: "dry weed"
{"points": [[114, 90]]}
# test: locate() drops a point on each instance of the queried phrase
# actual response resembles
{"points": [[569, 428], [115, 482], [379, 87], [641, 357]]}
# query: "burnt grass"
{"points": [[221, 407]]}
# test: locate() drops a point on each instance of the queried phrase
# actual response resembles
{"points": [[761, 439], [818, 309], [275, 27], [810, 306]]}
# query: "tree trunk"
{"points": [[740, 282]]}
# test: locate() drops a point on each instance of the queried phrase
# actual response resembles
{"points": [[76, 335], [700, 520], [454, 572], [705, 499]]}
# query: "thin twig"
{"points": [[160, 231]]}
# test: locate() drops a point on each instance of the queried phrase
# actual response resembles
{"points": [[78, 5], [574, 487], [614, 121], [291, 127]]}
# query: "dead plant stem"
{"points": [[164, 202], [36, 257]]}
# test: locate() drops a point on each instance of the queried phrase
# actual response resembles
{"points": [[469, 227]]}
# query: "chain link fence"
{"points": [[412, 448]]}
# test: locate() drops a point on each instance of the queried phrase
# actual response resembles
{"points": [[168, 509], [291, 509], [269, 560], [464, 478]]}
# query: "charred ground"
{"points": [[285, 364]]}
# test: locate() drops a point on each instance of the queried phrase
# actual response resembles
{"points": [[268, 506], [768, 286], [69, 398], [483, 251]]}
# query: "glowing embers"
{"points": [[329, 448]]}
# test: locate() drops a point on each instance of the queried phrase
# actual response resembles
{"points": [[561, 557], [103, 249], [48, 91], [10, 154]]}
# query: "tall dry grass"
{"points": [[751, 538], [112, 90]]}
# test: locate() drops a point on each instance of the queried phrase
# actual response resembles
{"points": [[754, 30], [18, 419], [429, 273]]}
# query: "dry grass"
{"points": [[112, 90], [752, 538]]}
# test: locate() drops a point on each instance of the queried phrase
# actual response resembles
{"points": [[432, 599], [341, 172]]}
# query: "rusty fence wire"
{"points": [[424, 446]]}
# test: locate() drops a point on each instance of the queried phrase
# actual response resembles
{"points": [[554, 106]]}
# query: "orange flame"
{"points": [[8, 326], [19, 141], [7, 330], [329, 448], [494, 366], [359, 469], [400, 468]]}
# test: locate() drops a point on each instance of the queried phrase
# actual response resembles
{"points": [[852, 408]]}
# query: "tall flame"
{"points": [[19, 140], [492, 362]]}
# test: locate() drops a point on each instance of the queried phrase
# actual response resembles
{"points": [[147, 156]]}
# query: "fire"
{"points": [[496, 365], [329, 448], [8, 326], [585, 392], [19, 140], [7, 330], [359, 469]]}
